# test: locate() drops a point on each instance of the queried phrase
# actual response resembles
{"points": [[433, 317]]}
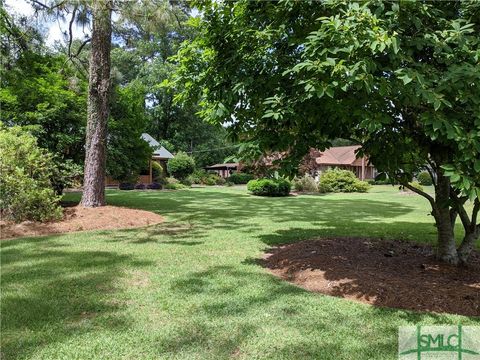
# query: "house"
{"points": [[160, 155], [345, 157], [224, 170]]}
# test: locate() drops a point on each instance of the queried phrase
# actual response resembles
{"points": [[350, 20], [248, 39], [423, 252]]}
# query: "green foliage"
{"points": [[127, 153], [425, 179], [401, 80], [269, 187], [337, 180], [305, 183], [181, 165], [202, 177], [175, 186], [43, 91], [240, 178], [66, 174], [25, 189]]}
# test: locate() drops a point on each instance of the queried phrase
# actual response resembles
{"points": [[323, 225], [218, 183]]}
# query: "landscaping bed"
{"points": [[78, 218], [396, 274]]}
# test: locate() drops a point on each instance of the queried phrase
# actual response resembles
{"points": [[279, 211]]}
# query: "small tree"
{"points": [[26, 192], [400, 78], [181, 166]]}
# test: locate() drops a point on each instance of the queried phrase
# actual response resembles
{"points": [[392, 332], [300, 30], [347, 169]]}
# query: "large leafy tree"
{"points": [[401, 78]]}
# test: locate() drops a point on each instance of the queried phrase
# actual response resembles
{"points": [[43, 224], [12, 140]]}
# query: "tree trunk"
{"points": [[98, 105], [467, 246], [447, 250]]}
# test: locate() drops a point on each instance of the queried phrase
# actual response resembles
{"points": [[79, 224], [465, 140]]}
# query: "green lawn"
{"points": [[190, 288]]}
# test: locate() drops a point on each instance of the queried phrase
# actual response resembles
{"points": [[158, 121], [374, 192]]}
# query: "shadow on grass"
{"points": [[240, 212], [51, 293], [242, 304]]}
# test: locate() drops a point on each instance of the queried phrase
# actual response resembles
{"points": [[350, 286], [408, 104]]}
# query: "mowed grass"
{"points": [[190, 288]]}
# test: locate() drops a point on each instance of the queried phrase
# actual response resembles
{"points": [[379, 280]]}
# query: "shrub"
{"points": [[338, 180], [171, 180], [126, 186], [269, 187], [212, 179], [305, 183], [140, 186], [198, 177], [154, 186], [221, 181], [240, 178], [66, 174], [181, 166], [187, 182], [175, 186], [26, 170], [324, 188], [229, 183], [424, 178]]}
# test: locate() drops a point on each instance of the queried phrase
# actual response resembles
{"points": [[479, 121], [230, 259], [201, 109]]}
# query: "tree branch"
{"points": [[459, 202], [422, 193], [70, 32]]}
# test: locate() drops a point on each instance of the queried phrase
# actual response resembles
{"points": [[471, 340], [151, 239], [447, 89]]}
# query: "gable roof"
{"points": [[339, 155], [158, 150], [225, 165]]}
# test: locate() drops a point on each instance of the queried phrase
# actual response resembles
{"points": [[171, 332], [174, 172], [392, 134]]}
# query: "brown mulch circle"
{"points": [[78, 218], [396, 274]]}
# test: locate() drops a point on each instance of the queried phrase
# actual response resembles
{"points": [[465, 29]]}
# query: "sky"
{"points": [[54, 28]]}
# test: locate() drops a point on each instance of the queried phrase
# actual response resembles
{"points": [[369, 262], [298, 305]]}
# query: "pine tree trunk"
{"points": [[98, 105], [447, 250]]}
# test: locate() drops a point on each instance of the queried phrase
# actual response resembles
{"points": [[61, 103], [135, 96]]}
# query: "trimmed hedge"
{"points": [[269, 187], [240, 178], [338, 180], [140, 186]]}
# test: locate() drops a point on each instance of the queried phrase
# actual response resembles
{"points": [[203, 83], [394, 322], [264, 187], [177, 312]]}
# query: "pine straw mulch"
{"points": [[78, 218], [396, 274]]}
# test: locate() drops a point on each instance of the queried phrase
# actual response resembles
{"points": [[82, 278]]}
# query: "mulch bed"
{"points": [[396, 274], [78, 218]]}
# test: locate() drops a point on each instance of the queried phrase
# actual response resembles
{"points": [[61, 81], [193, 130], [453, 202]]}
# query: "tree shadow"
{"points": [[53, 293], [392, 274], [245, 303], [245, 213]]}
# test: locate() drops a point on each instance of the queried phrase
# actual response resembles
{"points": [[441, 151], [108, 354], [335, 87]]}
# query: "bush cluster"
{"points": [[181, 166], [269, 187], [240, 178], [306, 183], [424, 178], [175, 186], [337, 180], [201, 177], [26, 190]]}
